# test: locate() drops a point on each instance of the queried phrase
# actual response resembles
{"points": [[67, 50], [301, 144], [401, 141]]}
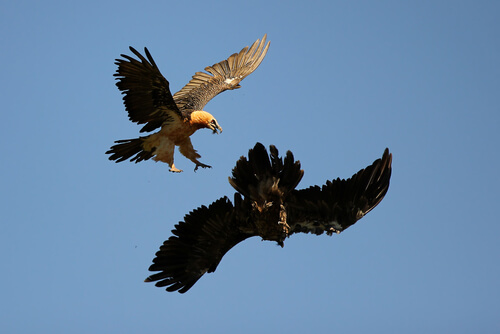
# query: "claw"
{"points": [[202, 166]]}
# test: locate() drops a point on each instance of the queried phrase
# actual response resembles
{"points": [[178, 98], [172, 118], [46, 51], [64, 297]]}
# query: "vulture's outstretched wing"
{"points": [[147, 95], [223, 76], [198, 245], [340, 203], [263, 176]]}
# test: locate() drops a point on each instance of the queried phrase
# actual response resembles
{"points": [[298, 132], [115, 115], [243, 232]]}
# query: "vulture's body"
{"points": [[266, 205], [148, 100]]}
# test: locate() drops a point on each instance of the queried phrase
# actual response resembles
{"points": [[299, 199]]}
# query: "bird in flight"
{"points": [[148, 100], [266, 205]]}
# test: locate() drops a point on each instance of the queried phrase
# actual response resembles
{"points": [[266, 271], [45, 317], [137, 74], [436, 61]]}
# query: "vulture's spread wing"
{"points": [[223, 76], [340, 203], [197, 246], [147, 96]]}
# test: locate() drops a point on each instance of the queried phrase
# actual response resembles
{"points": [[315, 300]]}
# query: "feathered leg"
{"points": [[187, 150]]}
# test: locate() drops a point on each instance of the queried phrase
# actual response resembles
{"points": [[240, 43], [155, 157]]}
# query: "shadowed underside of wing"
{"points": [[223, 76], [147, 95], [197, 246], [340, 203]]}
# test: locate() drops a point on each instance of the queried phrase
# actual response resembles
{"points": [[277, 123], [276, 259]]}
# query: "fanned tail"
{"points": [[263, 174], [129, 149]]}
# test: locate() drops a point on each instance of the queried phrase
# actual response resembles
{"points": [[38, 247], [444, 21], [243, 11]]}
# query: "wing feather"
{"points": [[197, 246], [340, 203], [225, 75], [146, 92]]}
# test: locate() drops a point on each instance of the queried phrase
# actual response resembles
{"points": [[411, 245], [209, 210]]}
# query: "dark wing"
{"points": [[147, 96], [197, 246], [224, 75], [261, 175], [340, 203]]}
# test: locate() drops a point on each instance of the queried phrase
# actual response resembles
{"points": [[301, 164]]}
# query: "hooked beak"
{"points": [[215, 128]]}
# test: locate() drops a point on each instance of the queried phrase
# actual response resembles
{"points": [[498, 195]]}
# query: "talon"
{"points": [[285, 227], [202, 166]]}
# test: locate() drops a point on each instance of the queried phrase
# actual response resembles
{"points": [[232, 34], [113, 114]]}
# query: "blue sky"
{"points": [[342, 80]]}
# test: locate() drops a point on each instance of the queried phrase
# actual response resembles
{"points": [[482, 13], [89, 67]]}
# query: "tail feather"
{"points": [[256, 176], [129, 149]]}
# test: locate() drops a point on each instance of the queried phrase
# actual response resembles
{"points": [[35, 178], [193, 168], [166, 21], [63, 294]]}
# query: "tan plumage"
{"points": [[266, 205], [148, 101]]}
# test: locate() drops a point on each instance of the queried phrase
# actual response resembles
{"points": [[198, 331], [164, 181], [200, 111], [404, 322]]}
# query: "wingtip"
{"points": [[387, 156]]}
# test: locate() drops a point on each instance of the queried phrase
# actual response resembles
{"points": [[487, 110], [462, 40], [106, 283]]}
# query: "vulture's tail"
{"points": [[132, 149], [262, 174]]}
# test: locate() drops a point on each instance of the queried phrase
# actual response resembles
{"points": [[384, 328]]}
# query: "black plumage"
{"points": [[266, 205]]}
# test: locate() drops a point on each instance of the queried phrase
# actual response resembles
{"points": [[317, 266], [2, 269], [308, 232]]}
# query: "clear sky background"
{"points": [[342, 81]]}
